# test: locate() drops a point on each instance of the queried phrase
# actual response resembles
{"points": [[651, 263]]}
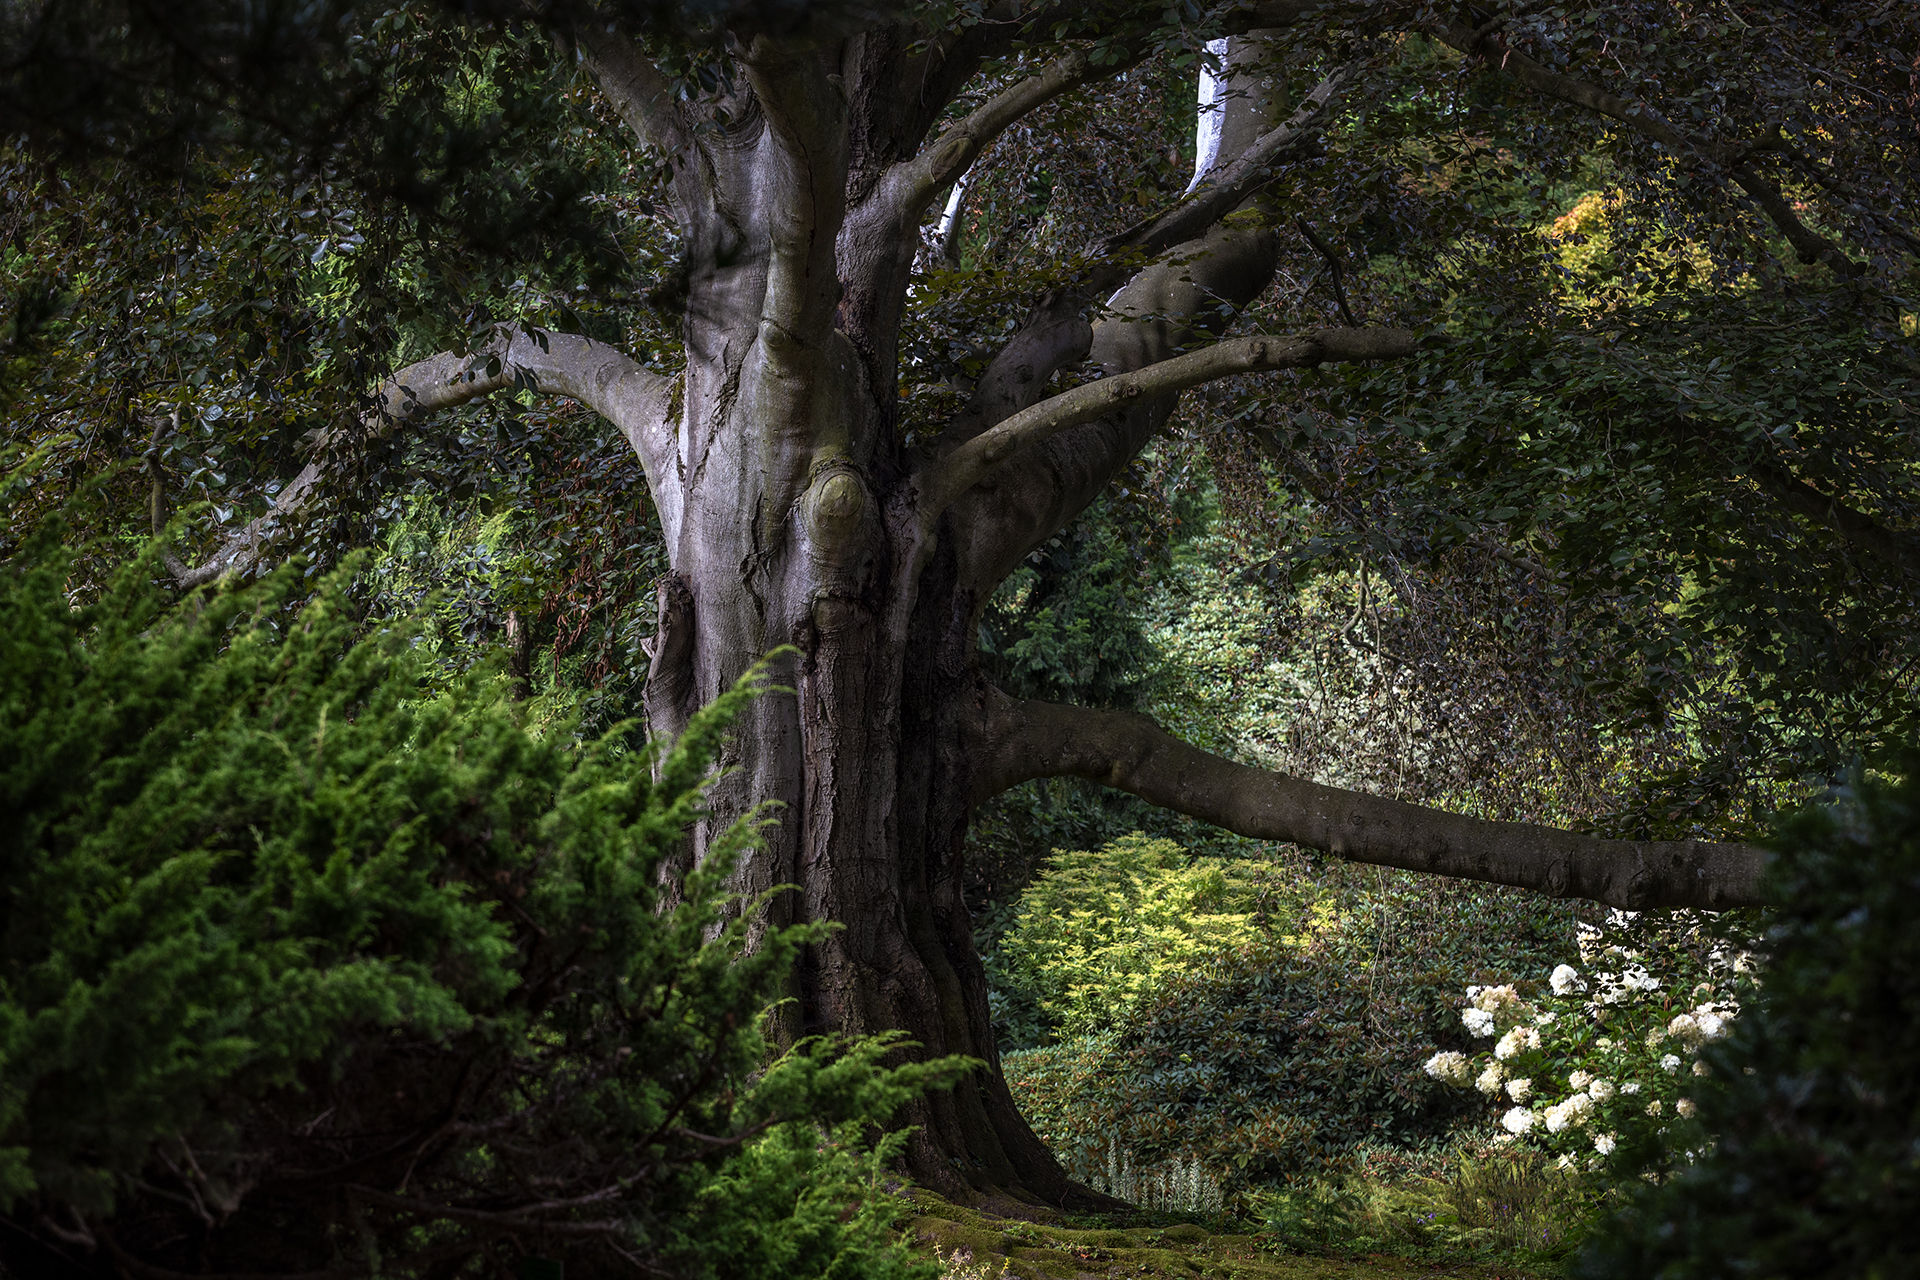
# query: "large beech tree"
{"points": [[804, 161]]}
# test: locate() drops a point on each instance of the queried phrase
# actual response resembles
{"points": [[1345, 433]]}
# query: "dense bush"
{"points": [[1099, 928], [1295, 1053], [1815, 1170], [1601, 1066], [307, 969]]}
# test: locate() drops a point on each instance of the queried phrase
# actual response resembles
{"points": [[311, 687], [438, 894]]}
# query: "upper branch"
{"points": [[1809, 244], [1056, 332], [966, 466], [800, 183], [910, 186], [1037, 739], [626, 393], [637, 89], [1225, 188]]}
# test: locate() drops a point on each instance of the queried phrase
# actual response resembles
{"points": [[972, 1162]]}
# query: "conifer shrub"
{"points": [[307, 966], [1812, 1167]]}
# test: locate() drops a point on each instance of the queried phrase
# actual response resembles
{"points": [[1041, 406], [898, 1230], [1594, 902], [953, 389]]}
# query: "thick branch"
{"points": [[802, 189], [626, 393], [910, 186], [1119, 749], [1810, 245], [1056, 332], [972, 461], [1228, 186], [637, 89], [1893, 548]]}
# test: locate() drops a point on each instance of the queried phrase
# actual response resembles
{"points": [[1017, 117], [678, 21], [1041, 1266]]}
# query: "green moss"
{"points": [[1043, 1246]]}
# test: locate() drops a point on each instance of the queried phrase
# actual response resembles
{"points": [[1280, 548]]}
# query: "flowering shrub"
{"points": [[1594, 1059], [1814, 1096]]}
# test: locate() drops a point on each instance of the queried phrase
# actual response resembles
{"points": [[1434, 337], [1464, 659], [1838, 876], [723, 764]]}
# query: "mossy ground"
{"points": [[1146, 1245]]}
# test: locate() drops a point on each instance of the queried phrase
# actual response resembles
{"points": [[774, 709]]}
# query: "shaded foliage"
{"points": [[307, 966], [1812, 1169], [1295, 1053]]}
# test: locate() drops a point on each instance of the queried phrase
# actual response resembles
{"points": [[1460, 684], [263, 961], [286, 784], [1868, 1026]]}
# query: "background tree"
{"points": [[849, 454]]}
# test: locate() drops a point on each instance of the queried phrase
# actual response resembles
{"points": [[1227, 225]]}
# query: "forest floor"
{"points": [[1147, 1246]]}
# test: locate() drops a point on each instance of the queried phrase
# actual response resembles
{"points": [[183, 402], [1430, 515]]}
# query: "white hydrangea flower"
{"points": [[1603, 1143], [1630, 1088], [1579, 1080], [1518, 1121], [1556, 1117], [1519, 1090], [1516, 1041], [1479, 1022], [1566, 981], [1655, 1037], [1685, 1029], [1604, 1044], [1489, 1081], [1712, 1025], [1653, 1108], [1685, 1107], [1702, 1069], [1601, 1090], [1670, 1063]]}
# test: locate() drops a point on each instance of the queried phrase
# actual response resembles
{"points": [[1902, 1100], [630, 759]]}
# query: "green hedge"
{"points": [[306, 968]]}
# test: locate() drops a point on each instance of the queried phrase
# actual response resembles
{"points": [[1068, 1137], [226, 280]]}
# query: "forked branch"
{"points": [[910, 187], [1224, 189], [636, 88], [966, 466], [1037, 739], [626, 393]]}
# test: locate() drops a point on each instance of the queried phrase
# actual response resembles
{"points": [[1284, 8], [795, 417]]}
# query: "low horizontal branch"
{"points": [[967, 465], [1119, 749]]}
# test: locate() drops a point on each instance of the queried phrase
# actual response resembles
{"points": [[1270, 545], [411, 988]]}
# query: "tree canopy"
{"points": [[1577, 341]]}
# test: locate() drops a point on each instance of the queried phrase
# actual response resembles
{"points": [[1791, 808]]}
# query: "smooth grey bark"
{"points": [[796, 518]]}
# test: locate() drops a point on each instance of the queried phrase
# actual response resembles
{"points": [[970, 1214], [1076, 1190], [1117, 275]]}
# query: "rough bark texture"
{"points": [[795, 516]]}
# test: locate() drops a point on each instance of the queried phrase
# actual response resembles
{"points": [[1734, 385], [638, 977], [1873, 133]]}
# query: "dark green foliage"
{"points": [[303, 968], [1817, 1169], [1290, 1057]]}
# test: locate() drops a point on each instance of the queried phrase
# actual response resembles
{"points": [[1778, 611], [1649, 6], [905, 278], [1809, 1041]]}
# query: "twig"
{"points": [[1325, 250]]}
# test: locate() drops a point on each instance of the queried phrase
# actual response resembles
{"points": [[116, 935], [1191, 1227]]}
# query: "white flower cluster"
{"points": [[1642, 1040], [1489, 1081], [1576, 1110], [1616, 988], [1490, 1008], [1517, 1041], [1696, 1028]]}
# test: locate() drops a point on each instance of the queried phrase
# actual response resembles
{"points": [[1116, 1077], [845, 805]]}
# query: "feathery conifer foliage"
{"points": [[308, 967]]}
